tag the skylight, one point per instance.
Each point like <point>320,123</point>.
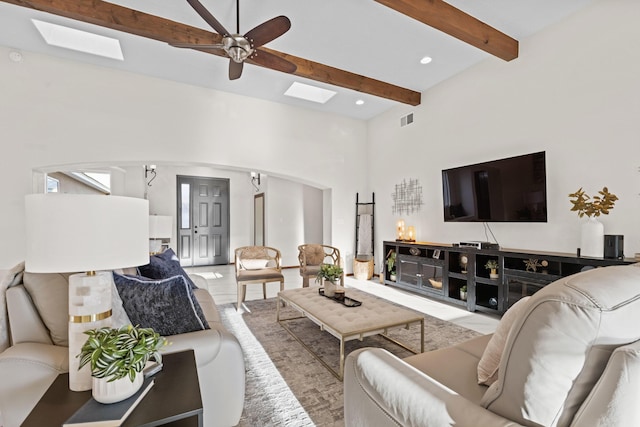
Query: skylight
<point>309,93</point>
<point>81,41</point>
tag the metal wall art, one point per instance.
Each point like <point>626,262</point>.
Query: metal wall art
<point>407,197</point>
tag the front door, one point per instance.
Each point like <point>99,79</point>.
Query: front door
<point>203,219</point>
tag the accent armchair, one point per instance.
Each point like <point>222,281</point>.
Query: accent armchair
<point>257,264</point>
<point>312,256</point>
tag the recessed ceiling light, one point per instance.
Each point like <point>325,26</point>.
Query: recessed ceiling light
<point>309,93</point>
<point>82,41</point>
<point>426,60</point>
<point>359,102</point>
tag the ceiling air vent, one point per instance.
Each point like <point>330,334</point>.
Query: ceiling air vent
<point>406,120</point>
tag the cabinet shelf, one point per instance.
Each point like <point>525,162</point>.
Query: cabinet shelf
<point>488,282</point>
<point>435,271</point>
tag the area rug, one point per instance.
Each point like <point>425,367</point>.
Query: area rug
<point>286,385</point>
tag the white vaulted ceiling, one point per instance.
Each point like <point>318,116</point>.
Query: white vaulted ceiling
<point>359,36</point>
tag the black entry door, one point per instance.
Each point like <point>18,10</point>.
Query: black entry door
<point>203,218</point>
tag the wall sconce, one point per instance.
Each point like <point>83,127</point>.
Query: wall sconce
<point>255,180</point>
<point>149,170</point>
<point>400,230</point>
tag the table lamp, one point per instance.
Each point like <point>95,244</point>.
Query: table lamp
<point>81,232</point>
<point>160,227</point>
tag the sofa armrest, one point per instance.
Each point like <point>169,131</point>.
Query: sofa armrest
<point>381,389</point>
<point>221,373</point>
<point>198,280</point>
<point>26,372</point>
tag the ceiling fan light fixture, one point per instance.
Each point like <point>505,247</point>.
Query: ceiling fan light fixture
<point>237,47</point>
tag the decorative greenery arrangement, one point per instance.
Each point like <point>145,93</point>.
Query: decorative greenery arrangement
<point>118,353</point>
<point>329,272</point>
<point>391,262</point>
<point>596,206</point>
<point>492,264</point>
<point>463,288</point>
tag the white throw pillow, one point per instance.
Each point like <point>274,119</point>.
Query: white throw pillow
<point>254,264</point>
<point>490,360</point>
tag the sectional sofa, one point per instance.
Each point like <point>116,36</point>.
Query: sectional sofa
<point>567,356</point>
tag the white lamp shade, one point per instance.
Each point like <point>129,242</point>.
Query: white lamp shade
<point>81,232</point>
<point>160,226</point>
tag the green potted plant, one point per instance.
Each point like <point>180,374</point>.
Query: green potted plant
<point>329,274</point>
<point>492,266</point>
<point>463,293</point>
<point>391,265</point>
<point>117,358</point>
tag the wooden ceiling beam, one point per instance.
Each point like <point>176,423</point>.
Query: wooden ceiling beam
<point>450,20</point>
<point>141,24</point>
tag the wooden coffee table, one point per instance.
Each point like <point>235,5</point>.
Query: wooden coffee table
<point>174,399</point>
<point>375,316</point>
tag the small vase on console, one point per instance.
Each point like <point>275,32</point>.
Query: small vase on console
<point>592,238</point>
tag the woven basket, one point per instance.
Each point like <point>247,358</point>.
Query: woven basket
<point>363,269</point>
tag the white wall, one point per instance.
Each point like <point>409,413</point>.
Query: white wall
<point>56,112</point>
<point>574,92</point>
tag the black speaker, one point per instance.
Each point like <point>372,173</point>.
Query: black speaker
<point>614,246</point>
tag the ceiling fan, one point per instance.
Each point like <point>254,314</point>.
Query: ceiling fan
<point>240,48</point>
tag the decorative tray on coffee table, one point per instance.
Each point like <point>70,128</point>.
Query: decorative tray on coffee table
<point>346,301</point>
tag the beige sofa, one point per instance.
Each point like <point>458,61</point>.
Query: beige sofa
<point>37,306</point>
<point>571,358</point>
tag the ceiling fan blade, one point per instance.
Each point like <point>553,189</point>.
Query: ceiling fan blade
<point>235,69</point>
<point>269,60</point>
<point>269,30</point>
<point>198,46</point>
<point>208,17</point>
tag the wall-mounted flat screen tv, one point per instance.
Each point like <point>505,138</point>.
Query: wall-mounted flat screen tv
<point>506,190</point>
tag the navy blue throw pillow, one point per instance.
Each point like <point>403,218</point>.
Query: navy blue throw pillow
<point>169,306</point>
<point>163,266</point>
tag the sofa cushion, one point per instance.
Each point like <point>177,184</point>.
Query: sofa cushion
<point>168,306</point>
<point>50,295</point>
<point>488,364</point>
<point>464,357</point>
<point>163,266</point>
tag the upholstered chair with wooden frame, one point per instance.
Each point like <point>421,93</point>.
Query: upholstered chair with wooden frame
<point>257,264</point>
<point>312,256</point>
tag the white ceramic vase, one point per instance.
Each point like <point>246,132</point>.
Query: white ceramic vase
<point>104,391</point>
<point>592,238</point>
<point>329,288</point>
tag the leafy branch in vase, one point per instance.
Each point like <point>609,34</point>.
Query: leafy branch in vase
<point>593,206</point>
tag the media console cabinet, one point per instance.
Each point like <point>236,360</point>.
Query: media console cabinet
<point>440,271</point>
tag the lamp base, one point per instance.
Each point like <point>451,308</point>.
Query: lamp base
<point>89,308</point>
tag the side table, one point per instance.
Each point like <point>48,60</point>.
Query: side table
<point>174,399</point>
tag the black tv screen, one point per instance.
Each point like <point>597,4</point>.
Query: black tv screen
<point>506,190</point>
